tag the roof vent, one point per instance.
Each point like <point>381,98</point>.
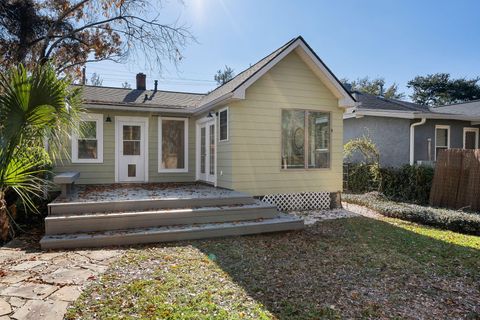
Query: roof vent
<point>381,90</point>
<point>155,85</point>
<point>141,81</point>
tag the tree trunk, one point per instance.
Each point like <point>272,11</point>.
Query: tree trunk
<point>4,220</point>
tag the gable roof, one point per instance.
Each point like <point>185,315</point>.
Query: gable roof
<point>371,105</point>
<point>370,101</point>
<point>237,85</point>
<point>233,89</point>
<point>243,76</point>
<point>148,98</point>
<point>471,108</point>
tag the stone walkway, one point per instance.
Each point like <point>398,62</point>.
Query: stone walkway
<point>36,284</point>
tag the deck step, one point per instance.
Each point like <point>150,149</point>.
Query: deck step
<point>156,218</point>
<point>86,207</point>
<point>171,233</point>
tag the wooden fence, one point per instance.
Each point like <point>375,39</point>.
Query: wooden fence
<point>456,183</point>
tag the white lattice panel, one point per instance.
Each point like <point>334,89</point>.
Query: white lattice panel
<point>299,201</point>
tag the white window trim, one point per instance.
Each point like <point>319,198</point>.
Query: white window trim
<point>469,129</point>
<point>98,118</point>
<point>439,126</point>
<point>163,170</point>
<point>228,124</point>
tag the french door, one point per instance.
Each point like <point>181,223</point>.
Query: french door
<point>206,150</point>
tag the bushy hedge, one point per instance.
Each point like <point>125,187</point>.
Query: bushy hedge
<point>458,221</point>
<point>408,183</point>
<point>361,178</point>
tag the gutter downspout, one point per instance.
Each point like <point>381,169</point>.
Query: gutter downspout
<point>412,138</point>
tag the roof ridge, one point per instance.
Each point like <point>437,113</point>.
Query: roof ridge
<point>119,88</point>
<point>457,103</point>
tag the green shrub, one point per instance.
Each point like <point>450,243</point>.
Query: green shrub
<point>458,221</point>
<point>361,178</point>
<point>408,183</point>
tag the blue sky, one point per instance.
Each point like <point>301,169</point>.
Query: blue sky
<point>396,40</point>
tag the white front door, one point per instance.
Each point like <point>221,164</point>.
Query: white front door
<point>131,142</point>
<point>206,150</point>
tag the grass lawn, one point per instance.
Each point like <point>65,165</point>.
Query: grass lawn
<point>346,268</point>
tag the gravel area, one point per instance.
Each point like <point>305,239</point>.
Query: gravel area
<point>312,216</point>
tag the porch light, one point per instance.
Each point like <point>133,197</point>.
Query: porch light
<point>210,115</point>
<point>108,119</point>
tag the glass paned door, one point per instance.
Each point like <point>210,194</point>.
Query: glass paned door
<point>211,134</point>
<point>203,149</point>
<point>131,151</point>
<point>206,151</point>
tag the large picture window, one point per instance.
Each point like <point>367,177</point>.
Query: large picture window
<point>173,145</point>
<point>305,139</point>
<point>87,142</point>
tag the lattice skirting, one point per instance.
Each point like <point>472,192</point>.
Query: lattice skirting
<point>299,201</point>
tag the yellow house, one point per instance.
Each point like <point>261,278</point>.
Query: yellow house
<point>274,129</point>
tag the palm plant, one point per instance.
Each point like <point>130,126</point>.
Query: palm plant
<point>37,109</point>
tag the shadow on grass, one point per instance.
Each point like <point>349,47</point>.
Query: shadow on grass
<point>352,268</point>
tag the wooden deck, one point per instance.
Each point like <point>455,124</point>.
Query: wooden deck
<point>127,214</point>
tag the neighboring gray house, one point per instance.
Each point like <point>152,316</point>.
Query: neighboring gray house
<point>408,133</point>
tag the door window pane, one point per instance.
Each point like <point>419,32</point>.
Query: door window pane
<point>87,149</point>
<point>212,149</point>
<point>173,144</point>
<point>293,139</point>
<point>470,140</point>
<point>131,132</point>
<point>318,140</point>
<point>131,140</point>
<point>131,148</point>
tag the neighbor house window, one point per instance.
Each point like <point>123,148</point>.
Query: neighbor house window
<point>470,138</point>
<point>442,138</point>
<point>173,144</point>
<point>223,124</point>
<point>305,139</point>
<point>87,141</point>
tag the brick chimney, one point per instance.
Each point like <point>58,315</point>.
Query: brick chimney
<point>141,81</point>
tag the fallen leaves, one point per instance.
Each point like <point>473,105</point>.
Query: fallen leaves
<point>346,268</point>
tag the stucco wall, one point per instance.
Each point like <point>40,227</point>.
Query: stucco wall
<point>391,136</point>
<point>255,132</point>
<point>423,132</point>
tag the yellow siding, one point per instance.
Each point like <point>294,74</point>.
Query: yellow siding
<point>93,173</point>
<point>255,132</point>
